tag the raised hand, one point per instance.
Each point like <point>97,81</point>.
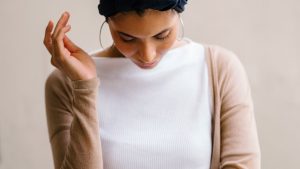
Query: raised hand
<point>66,56</point>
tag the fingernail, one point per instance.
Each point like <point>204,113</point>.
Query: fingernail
<point>65,13</point>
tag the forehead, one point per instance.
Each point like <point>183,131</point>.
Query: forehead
<point>149,23</point>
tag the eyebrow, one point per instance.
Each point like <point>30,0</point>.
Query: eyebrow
<point>125,34</point>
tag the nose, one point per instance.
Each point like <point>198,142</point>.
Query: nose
<point>147,53</point>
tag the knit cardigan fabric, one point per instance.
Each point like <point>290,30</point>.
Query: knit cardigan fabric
<point>73,122</point>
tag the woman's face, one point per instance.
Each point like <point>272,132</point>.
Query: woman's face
<point>144,38</point>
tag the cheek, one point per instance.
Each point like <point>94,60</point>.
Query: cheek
<point>125,49</point>
<point>167,44</point>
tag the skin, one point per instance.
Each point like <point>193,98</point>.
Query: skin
<point>143,39</point>
<point>65,55</point>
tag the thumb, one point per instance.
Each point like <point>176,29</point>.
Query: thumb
<point>71,46</point>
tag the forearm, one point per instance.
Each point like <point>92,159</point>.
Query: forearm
<point>73,122</point>
<point>84,148</point>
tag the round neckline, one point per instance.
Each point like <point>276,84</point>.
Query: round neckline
<point>93,53</point>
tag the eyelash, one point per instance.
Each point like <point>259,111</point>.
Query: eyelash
<point>163,38</point>
<point>158,38</point>
<point>124,40</point>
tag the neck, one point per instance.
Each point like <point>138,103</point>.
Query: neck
<point>115,52</point>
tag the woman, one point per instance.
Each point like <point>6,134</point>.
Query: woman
<point>151,100</point>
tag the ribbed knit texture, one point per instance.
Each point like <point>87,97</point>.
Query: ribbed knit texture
<point>158,118</point>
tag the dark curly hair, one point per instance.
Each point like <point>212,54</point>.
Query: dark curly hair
<point>109,8</point>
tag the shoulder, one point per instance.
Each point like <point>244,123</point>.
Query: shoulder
<point>219,59</point>
<point>99,53</point>
<point>224,61</point>
<point>219,55</point>
<point>223,58</point>
<point>226,69</point>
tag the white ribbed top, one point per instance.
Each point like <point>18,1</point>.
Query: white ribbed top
<point>158,118</point>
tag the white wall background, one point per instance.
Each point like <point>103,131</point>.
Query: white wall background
<point>264,34</point>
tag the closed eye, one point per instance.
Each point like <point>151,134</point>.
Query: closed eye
<point>160,36</point>
<point>163,35</point>
<point>125,37</point>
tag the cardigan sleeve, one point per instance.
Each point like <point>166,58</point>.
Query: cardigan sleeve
<point>239,140</point>
<point>73,124</point>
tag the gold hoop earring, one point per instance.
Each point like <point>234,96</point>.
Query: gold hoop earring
<point>182,28</point>
<point>100,34</point>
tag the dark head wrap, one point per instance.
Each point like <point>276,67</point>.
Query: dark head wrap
<point>111,7</point>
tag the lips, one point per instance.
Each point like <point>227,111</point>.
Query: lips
<point>147,65</point>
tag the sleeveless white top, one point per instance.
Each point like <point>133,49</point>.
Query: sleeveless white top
<point>156,118</point>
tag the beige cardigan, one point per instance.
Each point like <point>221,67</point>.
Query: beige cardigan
<point>73,123</point>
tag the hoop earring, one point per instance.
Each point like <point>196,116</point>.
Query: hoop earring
<point>182,28</point>
<point>100,34</point>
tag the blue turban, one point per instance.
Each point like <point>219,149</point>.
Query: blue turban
<point>111,7</point>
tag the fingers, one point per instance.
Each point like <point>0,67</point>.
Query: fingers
<point>70,45</point>
<point>58,43</point>
<point>60,36</point>
<point>62,22</point>
<point>47,38</point>
<point>60,28</point>
<point>58,47</point>
<point>59,52</point>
